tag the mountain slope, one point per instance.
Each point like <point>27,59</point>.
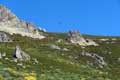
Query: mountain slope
<point>60,64</point>
<point>31,56</point>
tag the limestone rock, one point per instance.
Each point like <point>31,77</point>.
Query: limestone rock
<point>4,55</point>
<point>104,39</point>
<point>76,38</point>
<point>4,37</point>
<point>65,49</point>
<point>35,61</point>
<point>55,47</point>
<point>10,23</point>
<point>59,40</point>
<point>0,55</point>
<point>119,59</point>
<point>19,54</point>
<point>98,58</point>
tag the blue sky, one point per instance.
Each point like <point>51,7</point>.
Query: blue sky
<point>98,17</point>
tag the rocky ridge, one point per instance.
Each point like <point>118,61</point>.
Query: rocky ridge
<point>10,23</point>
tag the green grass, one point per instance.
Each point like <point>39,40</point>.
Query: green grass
<point>61,67</point>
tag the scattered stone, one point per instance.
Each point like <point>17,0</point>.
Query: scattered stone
<point>24,67</point>
<point>104,39</point>
<point>107,42</point>
<point>114,39</point>
<point>89,63</point>
<point>62,54</point>
<point>59,40</point>
<point>51,67</point>
<point>0,55</point>
<point>65,49</point>
<point>36,61</point>
<point>4,55</point>
<point>113,42</point>
<point>6,58</point>
<point>119,59</point>
<point>70,57</point>
<point>76,57</point>
<point>109,53</point>
<point>91,42</point>
<point>83,47</point>
<point>19,54</point>
<point>19,64</point>
<point>55,47</point>
<point>15,60</point>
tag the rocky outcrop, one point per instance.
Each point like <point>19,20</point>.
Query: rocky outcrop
<point>10,23</point>
<point>76,38</point>
<point>19,54</point>
<point>4,37</point>
<point>98,58</point>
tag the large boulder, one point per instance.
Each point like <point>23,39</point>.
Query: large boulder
<point>19,54</point>
<point>10,23</point>
<point>76,38</point>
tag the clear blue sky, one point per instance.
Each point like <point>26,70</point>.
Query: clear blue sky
<point>98,17</point>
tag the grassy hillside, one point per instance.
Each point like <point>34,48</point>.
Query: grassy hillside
<point>59,64</point>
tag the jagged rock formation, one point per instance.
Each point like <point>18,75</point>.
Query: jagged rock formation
<point>11,24</point>
<point>4,37</point>
<point>99,59</point>
<point>19,54</point>
<point>75,37</point>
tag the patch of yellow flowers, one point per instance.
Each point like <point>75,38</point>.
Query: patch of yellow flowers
<point>1,77</point>
<point>26,76</point>
<point>31,76</point>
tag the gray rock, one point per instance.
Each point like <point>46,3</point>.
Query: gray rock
<point>119,59</point>
<point>75,37</point>
<point>59,40</point>
<point>36,61</point>
<point>15,60</point>
<point>65,49</point>
<point>5,14</point>
<point>0,55</point>
<point>4,37</point>
<point>55,47</point>
<point>6,58</point>
<point>10,23</point>
<point>19,54</point>
<point>19,64</point>
<point>4,55</point>
<point>99,59</point>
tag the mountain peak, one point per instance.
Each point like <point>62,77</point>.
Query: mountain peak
<point>6,14</point>
<point>10,23</point>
